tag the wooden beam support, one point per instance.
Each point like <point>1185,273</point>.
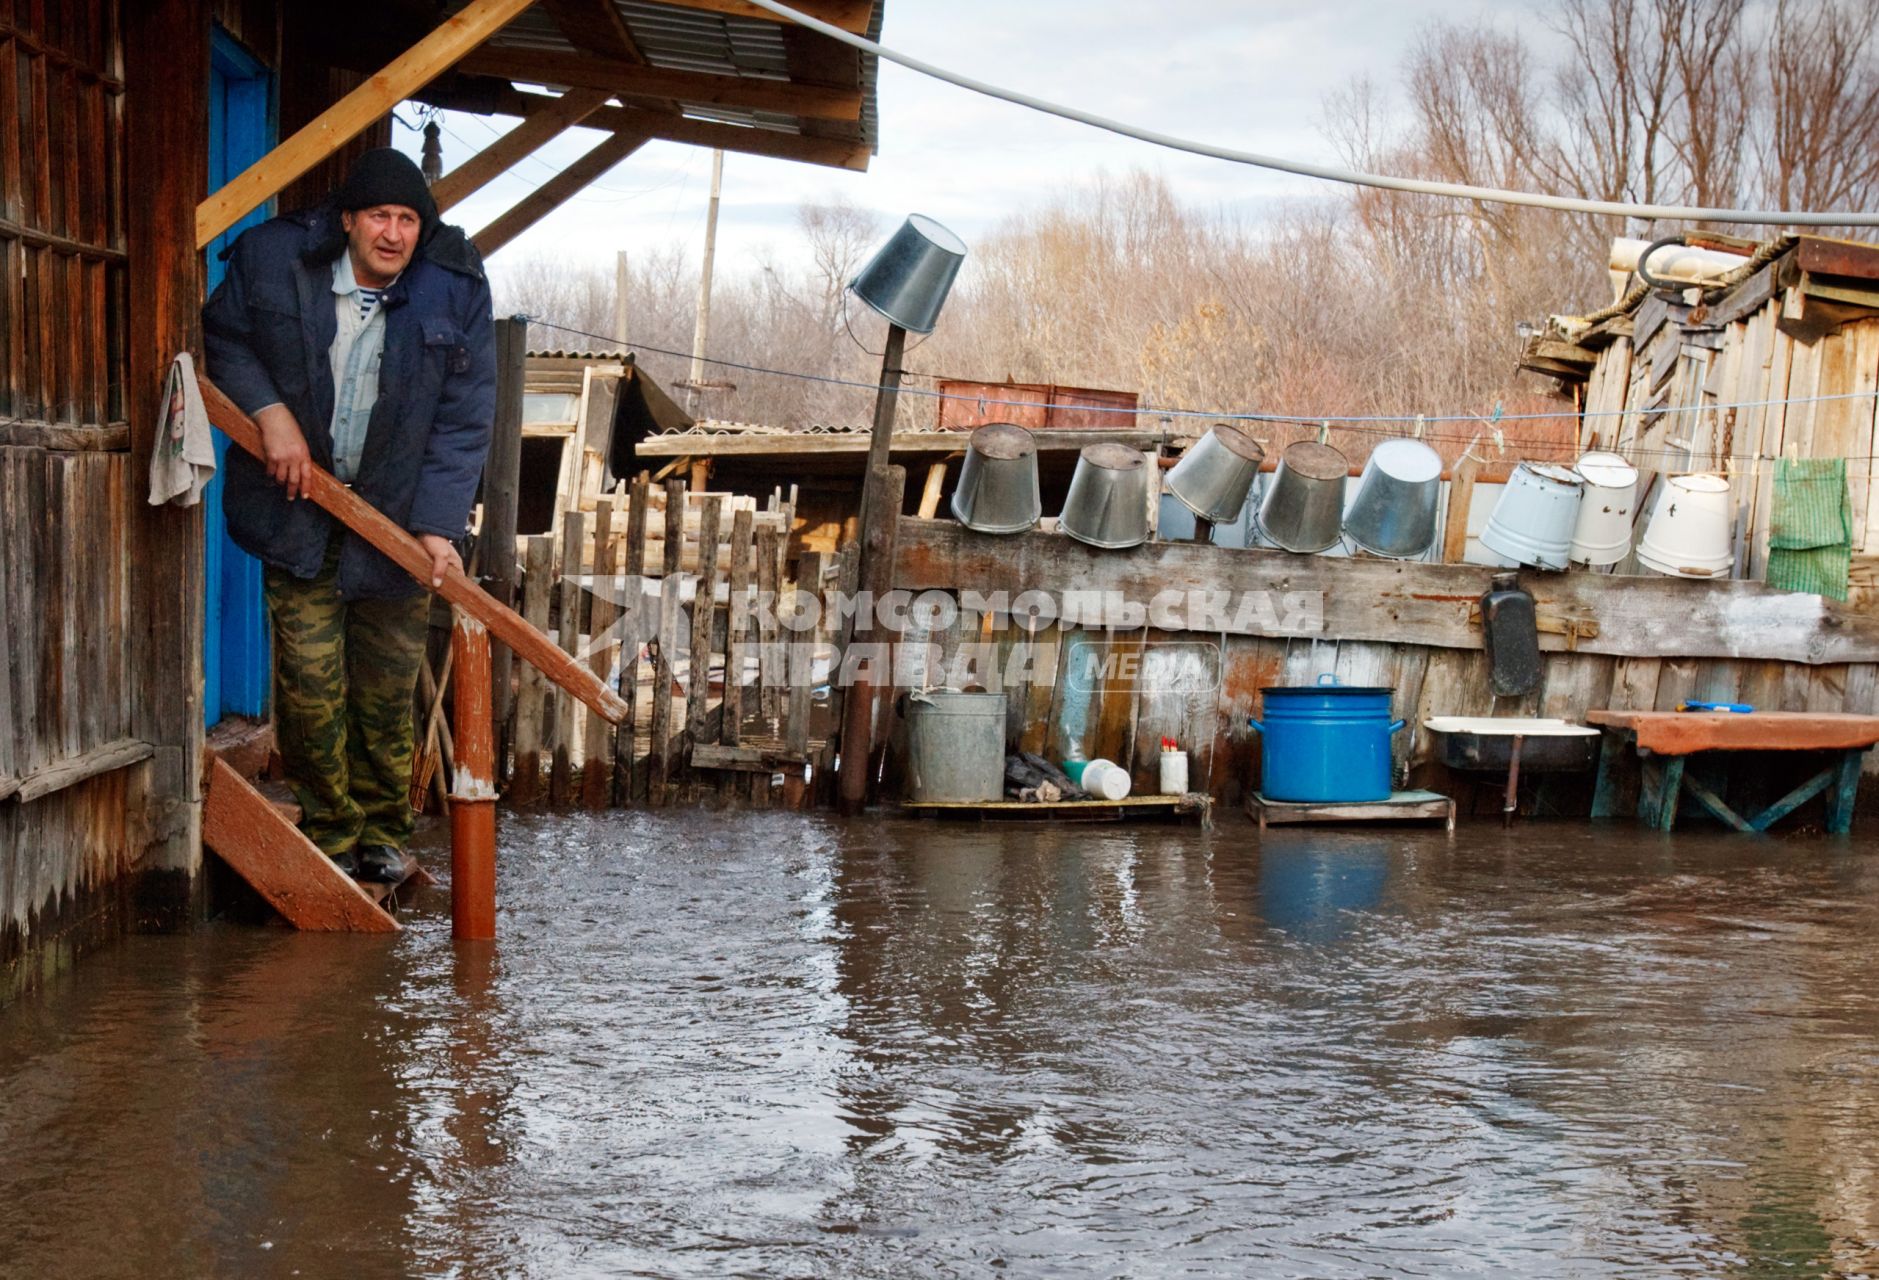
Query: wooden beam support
<point>551,118</point>
<point>851,16</point>
<point>403,550</point>
<point>835,153</point>
<point>548,197</point>
<point>353,114</point>
<point>626,79</point>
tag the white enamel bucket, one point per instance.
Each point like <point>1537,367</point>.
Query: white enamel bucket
<point>1606,509</point>
<point>1532,523</point>
<point>1689,535</point>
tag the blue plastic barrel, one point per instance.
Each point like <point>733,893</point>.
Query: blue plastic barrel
<point>1326,743</point>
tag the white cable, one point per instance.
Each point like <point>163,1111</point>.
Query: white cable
<point>1330,173</point>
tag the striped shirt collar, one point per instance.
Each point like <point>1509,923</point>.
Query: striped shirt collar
<point>344,282</point>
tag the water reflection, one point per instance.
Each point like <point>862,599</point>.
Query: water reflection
<point>766,1045</point>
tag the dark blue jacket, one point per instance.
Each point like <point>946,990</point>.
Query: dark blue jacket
<point>268,330</point>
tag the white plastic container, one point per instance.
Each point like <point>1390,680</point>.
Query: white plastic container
<point>1174,773</point>
<point>1106,780</point>
<point>1689,532</point>
<point>1603,533</point>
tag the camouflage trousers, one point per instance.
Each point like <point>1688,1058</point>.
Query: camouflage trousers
<point>344,673</point>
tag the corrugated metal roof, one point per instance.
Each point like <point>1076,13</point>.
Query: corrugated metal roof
<point>679,39</point>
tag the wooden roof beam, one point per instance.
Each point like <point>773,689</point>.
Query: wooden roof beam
<point>353,114</point>
<point>624,79</point>
<point>548,197</point>
<point>851,16</point>
<point>548,119</point>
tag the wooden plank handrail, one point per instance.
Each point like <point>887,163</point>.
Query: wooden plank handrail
<point>61,774</point>
<point>403,550</point>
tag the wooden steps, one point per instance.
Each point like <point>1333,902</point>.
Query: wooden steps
<point>252,836</point>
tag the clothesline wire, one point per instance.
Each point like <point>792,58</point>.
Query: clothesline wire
<point>1385,425</point>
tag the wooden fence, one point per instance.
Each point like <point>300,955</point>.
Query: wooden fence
<point>674,598</point>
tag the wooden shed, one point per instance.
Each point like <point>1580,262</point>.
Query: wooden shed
<point>138,138</point>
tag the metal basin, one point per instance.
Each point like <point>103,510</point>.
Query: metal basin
<point>1393,514</point>
<point>997,490</point>
<point>1107,505</point>
<point>1216,473</point>
<point>1486,743</point>
<point>1303,508</point>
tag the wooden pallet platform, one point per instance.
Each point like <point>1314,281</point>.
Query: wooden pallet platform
<point>1402,806</point>
<point>1192,805</point>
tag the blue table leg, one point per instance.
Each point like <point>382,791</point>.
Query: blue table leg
<point>1663,786</point>
<point>1845,790</point>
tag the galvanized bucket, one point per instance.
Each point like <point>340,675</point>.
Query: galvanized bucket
<point>908,278</point>
<point>955,745</point>
<point>997,490</point>
<point>1603,532</point>
<point>1689,535</point>
<point>1393,514</point>
<point>1216,473</point>
<point>1303,507</point>
<point>1533,521</point>
<point>1107,505</point>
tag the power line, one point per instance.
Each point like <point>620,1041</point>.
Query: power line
<point>1329,173</point>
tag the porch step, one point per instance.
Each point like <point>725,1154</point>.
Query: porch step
<point>285,868</point>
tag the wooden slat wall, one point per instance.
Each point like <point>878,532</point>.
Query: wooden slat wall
<point>1672,388</point>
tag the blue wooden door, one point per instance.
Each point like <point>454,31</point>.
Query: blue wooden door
<point>235,668</point>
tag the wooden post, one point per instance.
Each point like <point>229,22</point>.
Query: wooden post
<point>1460,497</point>
<point>597,753</point>
<point>659,771</point>
<point>886,400</point>
<point>568,633</point>
<point>769,647</point>
<point>502,476</point>
<point>930,496</point>
<point>878,573</point>
<point>473,801</point>
<point>736,623</point>
<point>802,655</point>
<point>704,596</point>
<point>625,751</point>
<point>166,127</point>
<point>525,785</point>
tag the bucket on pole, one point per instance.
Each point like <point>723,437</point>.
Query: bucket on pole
<point>1533,521</point>
<point>1393,514</point>
<point>1607,506</point>
<point>998,491</point>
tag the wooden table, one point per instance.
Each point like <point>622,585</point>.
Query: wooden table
<point>1665,740</point>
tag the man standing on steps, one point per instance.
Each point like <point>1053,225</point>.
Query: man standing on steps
<point>358,337</point>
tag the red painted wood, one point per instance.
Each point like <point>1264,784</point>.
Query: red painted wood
<point>285,867</point>
<point>1678,733</point>
<point>359,515</point>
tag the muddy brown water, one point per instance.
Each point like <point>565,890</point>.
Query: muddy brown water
<point>771,1045</point>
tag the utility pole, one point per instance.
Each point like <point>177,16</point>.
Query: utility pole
<point>619,299</point>
<point>703,327</point>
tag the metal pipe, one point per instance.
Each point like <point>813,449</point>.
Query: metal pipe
<point>473,799</point>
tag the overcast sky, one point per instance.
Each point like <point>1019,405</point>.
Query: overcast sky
<point>1246,73</point>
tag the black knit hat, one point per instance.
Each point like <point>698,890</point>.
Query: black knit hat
<point>386,176</point>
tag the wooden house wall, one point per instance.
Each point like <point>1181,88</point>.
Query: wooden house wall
<point>67,483</point>
<point>1659,395</point>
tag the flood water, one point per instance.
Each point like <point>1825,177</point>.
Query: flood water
<point>775,1045</point>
